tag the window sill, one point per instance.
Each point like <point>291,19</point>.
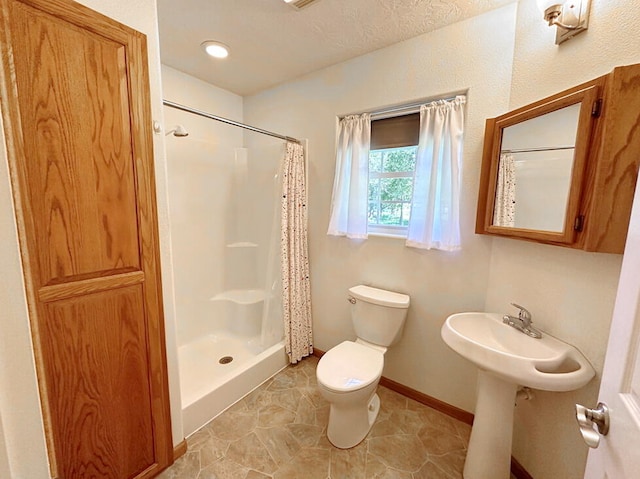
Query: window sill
<point>389,235</point>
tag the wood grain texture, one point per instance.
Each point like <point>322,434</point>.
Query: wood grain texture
<point>485,174</point>
<point>445,408</point>
<point>14,141</point>
<point>180,450</point>
<point>95,351</point>
<point>586,97</point>
<point>93,193</point>
<point>609,174</point>
<point>149,242</point>
<point>83,17</point>
<point>518,471</point>
<point>93,285</point>
<point>73,114</point>
<point>616,162</point>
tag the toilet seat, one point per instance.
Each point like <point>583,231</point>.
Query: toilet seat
<point>349,367</point>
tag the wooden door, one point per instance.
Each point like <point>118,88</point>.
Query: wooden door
<point>76,109</point>
<point>618,455</point>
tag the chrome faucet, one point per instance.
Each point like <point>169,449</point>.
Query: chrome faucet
<point>522,322</point>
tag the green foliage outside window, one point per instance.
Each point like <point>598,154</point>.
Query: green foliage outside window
<point>391,174</point>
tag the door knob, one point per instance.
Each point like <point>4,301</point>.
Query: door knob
<point>587,418</point>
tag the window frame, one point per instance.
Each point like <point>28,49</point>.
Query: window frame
<point>397,231</point>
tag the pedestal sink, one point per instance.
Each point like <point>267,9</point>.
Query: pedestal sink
<point>507,358</point>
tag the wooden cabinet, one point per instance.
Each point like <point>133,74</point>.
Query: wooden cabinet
<point>563,170</point>
<point>75,105</point>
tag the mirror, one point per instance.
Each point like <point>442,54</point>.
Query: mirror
<point>534,171</point>
<point>533,168</point>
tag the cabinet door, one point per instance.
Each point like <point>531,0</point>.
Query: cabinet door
<point>76,107</point>
<point>533,168</point>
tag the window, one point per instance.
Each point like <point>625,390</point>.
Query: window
<point>385,184</point>
<point>392,164</point>
<point>390,189</point>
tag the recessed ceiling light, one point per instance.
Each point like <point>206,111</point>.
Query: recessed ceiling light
<point>215,49</point>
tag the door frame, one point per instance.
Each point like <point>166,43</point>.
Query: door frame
<point>142,146</point>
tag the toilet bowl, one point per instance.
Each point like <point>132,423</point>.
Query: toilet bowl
<point>348,374</point>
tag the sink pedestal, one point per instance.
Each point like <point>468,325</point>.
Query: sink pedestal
<point>489,453</point>
<point>505,358</point>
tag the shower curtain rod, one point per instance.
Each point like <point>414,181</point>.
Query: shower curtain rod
<point>178,106</point>
<point>544,148</point>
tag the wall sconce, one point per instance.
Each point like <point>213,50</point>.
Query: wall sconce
<point>570,18</point>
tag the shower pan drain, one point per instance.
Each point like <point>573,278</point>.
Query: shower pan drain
<point>226,360</point>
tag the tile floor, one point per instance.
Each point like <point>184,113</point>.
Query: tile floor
<point>279,431</point>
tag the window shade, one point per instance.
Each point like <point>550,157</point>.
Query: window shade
<point>395,132</point>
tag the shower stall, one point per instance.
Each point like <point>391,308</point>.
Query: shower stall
<point>224,200</point>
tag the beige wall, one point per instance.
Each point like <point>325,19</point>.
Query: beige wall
<point>570,293</point>
<point>19,404</point>
<point>4,459</point>
<point>449,60</point>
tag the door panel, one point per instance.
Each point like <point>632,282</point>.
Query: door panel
<point>618,455</point>
<point>95,352</point>
<point>74,104</point>
<point>76,111</point>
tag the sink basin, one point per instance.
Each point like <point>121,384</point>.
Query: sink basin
<point>546,363</point>
<point>507,358</point>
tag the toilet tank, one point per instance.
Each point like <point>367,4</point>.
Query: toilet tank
<point>378,316</point>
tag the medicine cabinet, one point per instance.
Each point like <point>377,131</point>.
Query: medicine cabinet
<point>563,170</point>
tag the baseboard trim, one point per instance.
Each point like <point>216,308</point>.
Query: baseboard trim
<point>518,471</point>
<point>460,414</point>
<point>180,450</point>
<point>433,403</point>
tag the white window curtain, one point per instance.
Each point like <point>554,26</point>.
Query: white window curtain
<point>504,211</point>
<point>296,288</point>
<point>435,209</point>
<point>349,200</point>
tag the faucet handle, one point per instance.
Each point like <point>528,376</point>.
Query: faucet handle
<point>524,313</point>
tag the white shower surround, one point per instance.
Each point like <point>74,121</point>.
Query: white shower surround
<point>223,208</point>
<point>208,387</point>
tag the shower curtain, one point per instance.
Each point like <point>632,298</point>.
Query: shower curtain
<point>296,289</point>
<point>504,212</point>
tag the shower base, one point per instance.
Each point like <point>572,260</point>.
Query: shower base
<point>210,382</point>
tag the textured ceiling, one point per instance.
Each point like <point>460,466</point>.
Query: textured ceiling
<point>271,42</point>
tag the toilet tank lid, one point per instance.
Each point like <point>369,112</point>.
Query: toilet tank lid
<point>380,296</point>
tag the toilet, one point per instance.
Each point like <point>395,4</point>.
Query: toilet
<point>348,374</point>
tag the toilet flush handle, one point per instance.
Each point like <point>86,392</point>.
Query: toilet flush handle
<point>351,299</point>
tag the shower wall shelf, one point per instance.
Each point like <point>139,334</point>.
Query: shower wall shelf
<point>241,296</point>
<point>242,244</point>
